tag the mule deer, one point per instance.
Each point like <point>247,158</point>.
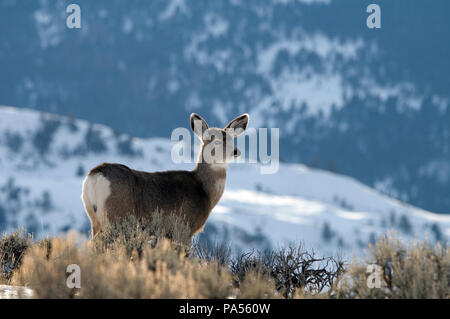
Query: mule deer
<point>113,191</point>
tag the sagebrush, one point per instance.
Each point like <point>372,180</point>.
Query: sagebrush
<point>408,271</point>
<point>141,259</point>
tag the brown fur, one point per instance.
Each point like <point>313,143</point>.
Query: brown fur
<point>189,194</point>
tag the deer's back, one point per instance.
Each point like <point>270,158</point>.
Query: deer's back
<point>141,193</point>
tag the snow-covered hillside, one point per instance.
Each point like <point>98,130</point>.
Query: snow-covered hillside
<point>345,97</point>
<point>43,159</point>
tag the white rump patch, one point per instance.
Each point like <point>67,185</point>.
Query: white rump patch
<point>96,190</point>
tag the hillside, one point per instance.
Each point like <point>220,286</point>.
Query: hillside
<point>371,104</point>
<point>44,157</point>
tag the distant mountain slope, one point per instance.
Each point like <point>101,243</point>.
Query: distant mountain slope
<point>44,157</point>
<point>371,104</point>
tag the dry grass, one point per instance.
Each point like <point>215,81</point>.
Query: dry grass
<point>136,259</point>
<point>132,259</point>
<point>415,270</point>
<point>160,272</point>
<point>134,235</point>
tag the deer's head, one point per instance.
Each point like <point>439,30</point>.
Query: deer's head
<point>218,144</point>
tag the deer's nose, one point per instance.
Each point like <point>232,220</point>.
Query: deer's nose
<point>237,152</point>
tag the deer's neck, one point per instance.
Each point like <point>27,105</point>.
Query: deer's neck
<point>213,177</point>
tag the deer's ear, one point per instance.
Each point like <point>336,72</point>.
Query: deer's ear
<point>237,126</point>
<point>198,125</point>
